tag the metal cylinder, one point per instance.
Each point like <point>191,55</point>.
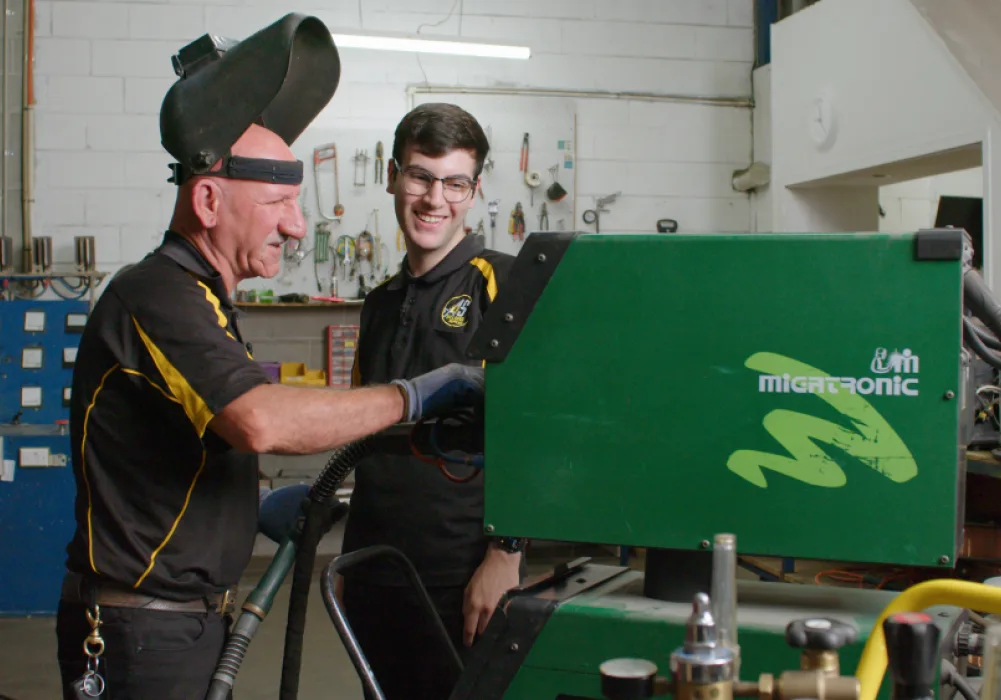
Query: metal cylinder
<point>86,253</point>
<point>724,593</point>
<point>42,248</point>
<point>6,253</point>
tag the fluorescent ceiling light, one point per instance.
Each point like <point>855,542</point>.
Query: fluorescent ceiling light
<point>455,48</point>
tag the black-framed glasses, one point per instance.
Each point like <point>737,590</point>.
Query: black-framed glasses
<point>418,182</point>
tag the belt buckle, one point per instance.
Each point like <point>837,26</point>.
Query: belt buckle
<point>227,602</point>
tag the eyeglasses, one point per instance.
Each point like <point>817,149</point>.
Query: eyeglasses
<point>419,182</point>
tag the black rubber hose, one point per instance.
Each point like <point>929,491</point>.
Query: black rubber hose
<point>978,298</point>
<point>337,469</point>
<point>973,338</point>
<point>951,676</point>
<point>989,339</point>
<point>327,588</point>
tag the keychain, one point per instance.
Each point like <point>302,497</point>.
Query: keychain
<point>91,683</point>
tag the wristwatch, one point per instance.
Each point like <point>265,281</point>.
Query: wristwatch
<point>511,545</point>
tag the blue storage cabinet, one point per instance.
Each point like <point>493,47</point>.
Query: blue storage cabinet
<point>38,342</point>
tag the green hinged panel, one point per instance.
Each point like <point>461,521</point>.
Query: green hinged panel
<point>789,388</point>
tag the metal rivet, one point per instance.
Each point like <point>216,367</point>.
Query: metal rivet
<point>494,343</point>
<point>943,559</point>
<point>489,528</point>
<point>705,544</point>
<point>509,317</point>
<point>949,395</point>
<point>514,646</point>
<point>541,257</point>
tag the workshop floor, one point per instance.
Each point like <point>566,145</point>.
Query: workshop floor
<point>29,671</point>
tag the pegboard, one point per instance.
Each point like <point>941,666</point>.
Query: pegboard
<point>367,206</point>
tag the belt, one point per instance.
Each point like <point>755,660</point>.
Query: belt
<point>114,595</point>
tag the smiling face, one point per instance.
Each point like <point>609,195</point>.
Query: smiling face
<point>431,223</point>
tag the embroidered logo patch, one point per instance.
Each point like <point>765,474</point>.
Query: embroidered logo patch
<point>454,312</point>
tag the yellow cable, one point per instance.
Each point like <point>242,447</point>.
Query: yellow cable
<point>962,594</point>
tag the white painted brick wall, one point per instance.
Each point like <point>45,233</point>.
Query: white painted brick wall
<point>103,66</point>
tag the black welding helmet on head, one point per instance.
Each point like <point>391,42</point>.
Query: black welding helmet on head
<point>280,78</point>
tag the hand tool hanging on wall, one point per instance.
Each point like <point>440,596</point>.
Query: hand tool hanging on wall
<point>593,216</point>
<point>380,166</point>
<point>516,226</point>
<point>555,192</point>
<point>322,154</point>
<point>523,167</point>
<point>346,254</point>
<point>667,226</point>
<point>543,218</point>
<point>366,254</point>
<point>493,208</point>
<point>488,164</point>
<point>533,179</point>
<point>479,228</point>
<point>361,167</point>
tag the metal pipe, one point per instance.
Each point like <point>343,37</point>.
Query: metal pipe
<point>741,102</point>
<point>3,133</point>
<point>27,139</point>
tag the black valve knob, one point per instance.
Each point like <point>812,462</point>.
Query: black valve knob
<point>628,679</point>
<point>820,634</point>
<point>912,651</point>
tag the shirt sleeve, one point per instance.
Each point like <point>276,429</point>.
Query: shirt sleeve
<point>186,336</point>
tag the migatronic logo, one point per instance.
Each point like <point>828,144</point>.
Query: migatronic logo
<point>871,440</point>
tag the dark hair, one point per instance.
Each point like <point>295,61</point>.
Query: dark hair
<point>439,128</point>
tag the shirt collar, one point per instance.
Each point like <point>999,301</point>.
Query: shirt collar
<point>468,248</point>
<point>181,251</point>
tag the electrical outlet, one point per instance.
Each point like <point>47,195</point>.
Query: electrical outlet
<point>31,397</point>
<point>75,323</point>
<point>34,321</point>
<point>32,358</point>
<point>33,457</point>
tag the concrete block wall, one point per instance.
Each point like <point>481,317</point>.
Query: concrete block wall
<point>103,66</point>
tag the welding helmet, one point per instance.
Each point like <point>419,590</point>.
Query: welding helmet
<point>280,78</point>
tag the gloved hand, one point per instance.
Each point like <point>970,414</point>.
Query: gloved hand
<point>279,510</point>
<point>441,391</point>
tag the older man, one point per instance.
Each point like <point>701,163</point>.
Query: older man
<point>170,409</point>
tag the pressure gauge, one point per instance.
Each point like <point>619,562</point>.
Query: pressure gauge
<point>590,216</point>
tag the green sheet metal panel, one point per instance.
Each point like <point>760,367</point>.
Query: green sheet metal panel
<point>789,388</point>
<point>615,621</point>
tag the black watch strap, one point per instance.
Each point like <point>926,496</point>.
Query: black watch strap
<point>511,545</point>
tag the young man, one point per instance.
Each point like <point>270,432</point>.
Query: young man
<point>421,319</point>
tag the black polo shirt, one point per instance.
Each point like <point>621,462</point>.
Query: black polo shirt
<point>410,326</point>
<point>163,504</point>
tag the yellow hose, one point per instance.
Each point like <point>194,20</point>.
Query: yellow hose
<point>962,594</point>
